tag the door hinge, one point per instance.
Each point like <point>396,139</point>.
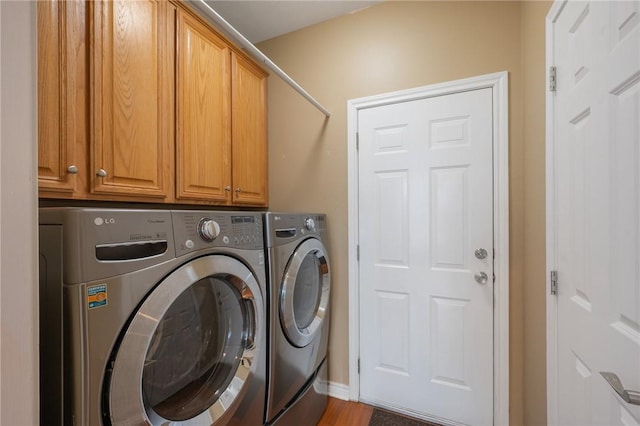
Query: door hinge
<point>358,365</point>
<point>357,141</point>
<point>553,78</point>
<point>358,252</point>
<point>554,283</point>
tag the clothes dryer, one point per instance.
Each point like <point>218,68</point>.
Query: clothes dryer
<point>299,287</point>
<point>161,320</point>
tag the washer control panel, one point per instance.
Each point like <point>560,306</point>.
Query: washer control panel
<point>194,230</point>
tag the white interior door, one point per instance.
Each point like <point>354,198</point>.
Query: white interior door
<point>425,207</point>
<point>595,213</point>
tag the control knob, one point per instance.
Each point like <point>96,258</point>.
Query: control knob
<point>310,224</point>
<point>208,229</point>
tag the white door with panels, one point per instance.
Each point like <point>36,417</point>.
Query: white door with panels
<point>426,237</point>
<point>594,213</point>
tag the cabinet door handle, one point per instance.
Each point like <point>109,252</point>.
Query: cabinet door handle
<point>101,173</point>
<point>72,169</point>
<point>227,188</point>
<point>631,397</point>
<point>238,189</point>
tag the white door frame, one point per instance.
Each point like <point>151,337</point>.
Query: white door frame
<point>498,84</point>
<point>552,300</point>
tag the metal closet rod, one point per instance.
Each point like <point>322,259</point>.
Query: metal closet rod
<point>255,52</point>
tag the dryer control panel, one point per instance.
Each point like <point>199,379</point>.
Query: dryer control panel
<point>198,229</point>
<point>282,228</point>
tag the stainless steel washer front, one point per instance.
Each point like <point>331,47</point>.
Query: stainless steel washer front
<point>161,326</point>
<point>191,345</point>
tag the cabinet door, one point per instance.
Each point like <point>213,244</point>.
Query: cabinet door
<point>248,132</point>
<point>62,86</point>
<point>132,102</point>
<point>203,104</point>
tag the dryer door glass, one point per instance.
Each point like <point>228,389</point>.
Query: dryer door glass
<point>307,292</point>
<point>195,350</point>
<point>190,350</point>
<point>304,296</point>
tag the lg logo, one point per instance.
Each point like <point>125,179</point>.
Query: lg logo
<point>101,221</point>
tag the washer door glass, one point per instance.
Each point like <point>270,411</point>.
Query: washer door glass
<point>195,350</point>
<point>188,351</point>
<point>304,296</point>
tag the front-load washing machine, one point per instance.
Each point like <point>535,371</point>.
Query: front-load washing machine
<point>299,286</point>
<point>152,317</point>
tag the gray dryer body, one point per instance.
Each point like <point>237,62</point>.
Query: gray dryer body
<point>299,287</point>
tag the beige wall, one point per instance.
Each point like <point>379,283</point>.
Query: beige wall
<point>534,308</point>
<point>400,45</point>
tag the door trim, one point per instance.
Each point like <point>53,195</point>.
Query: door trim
<point>550,147</point>
<point>498,83</point>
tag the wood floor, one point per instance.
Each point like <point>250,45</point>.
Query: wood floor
<point>346,413</point>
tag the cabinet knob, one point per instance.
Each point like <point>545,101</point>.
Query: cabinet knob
<point>102,173</point>
<point>227,188</point>
<point>238,189</point>
<point>72,169</point>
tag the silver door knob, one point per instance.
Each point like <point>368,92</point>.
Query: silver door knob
<point>102,173</point>
<point>227,188</point>
<point>72,169</point>
<point>238,189</point>
<point>481,253</point>
<point>631,397</point>
<point>481,277</point>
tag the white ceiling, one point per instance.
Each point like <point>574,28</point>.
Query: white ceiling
<point>260,20</point>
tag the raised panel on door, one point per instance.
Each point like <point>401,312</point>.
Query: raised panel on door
<point>248,132</point>
<point>132,102</point>
<point>203,108</point>
<point>62,86</point>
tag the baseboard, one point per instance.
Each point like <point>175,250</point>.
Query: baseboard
<point>339,390</point>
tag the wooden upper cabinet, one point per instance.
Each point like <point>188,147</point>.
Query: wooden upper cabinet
<point>203,108</point>
<point>248,131</point>
<point>61,94</point>
<point>144,101</point>
<point>132,98</point>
